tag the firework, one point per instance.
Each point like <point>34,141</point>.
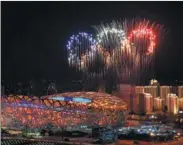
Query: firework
<point>78,46</point>
<point>124,50</point>
<point>110,36</point>
<point>131,45</point>
<point>86,57</point>
<point>145,34</point>
<point>142,34</point>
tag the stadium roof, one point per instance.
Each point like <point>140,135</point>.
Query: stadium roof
<point>95,99</point>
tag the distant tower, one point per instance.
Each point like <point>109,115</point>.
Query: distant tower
<point>153,90</point>
<point>19,91</point>
<point>30,88</point>
<point>180,91</point>
<point>153,82</point>
<point>164,91</point>
<point>51,89</point>
<point>174,90</point>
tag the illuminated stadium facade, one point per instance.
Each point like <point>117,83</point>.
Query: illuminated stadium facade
<point>62,110</point>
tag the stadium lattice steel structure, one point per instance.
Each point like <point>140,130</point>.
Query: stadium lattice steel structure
<point>62,110</point>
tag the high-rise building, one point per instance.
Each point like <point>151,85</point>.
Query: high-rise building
<point>167,103</point>
<point>131,103</point>
<point>164,91</point>
<point>158,104</point>
<point>124,91</point>
<point>145,103</point>
<point>180,91</point>
<point>180,103</point>
<point>153,90</point>
<point>154,82</point>
<point>134,98</point>
<point>174,90</point>
<point>134,103</point>
<point>139,89</point>
<point>172,103</point>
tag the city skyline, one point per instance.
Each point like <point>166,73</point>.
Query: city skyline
<point>91,72</point>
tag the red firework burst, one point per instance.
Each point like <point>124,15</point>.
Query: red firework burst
<point>146,33</point>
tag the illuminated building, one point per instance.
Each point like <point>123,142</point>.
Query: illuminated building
<point>62,110</point>
<point>167,103</point>
<point>180,91</point>
<point>174,90</point>
<point>134,103</point>
<point>139,89</point>
<point>180,103</point>
<point>134,98</point>
<point>164,91</point>
<point>145,103</point>
<point>153,90</point>
<point>158,102</point>
<point>172,103</point>
<point>154,82</point>
<point>125,92</point>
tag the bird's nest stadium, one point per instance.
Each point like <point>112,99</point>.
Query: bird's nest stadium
<point>63,110</point>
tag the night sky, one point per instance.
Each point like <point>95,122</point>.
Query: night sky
<point>34,35</point>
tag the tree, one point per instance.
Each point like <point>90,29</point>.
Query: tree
<point>165,109</point>
<point>25,129</point>
<point>49,126</point>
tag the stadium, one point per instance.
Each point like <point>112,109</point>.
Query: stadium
<point>63,110</point>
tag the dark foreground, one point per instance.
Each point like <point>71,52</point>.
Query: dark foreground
<point>77,141</point>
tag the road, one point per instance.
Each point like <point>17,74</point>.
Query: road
<point>87,141</point>
<point>128,142</point>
